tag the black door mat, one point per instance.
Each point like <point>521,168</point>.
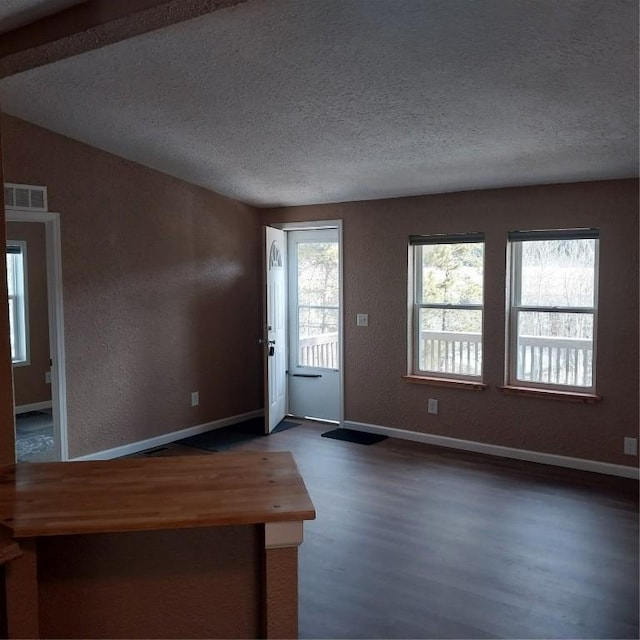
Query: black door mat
<point>283,425</point>
<point>350,435</point>
<point>227,437</point>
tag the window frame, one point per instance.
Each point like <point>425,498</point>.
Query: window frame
<point>515,307</point>
<point>19,319</point>
<point>416,243</point>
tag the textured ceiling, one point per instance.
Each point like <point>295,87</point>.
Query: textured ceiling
<point>281,102</point>
<point>15,13</point>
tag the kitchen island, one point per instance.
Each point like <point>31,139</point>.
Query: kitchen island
<point>190,547</point>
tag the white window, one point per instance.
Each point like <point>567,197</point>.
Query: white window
<point>553,309</point>
<point>447,305</point>
<point>17,290</point>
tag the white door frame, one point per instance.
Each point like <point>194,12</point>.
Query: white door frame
<point>56,319</point>
<point>327,224</point>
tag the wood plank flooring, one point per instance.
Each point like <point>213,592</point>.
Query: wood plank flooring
<point>416,541</point>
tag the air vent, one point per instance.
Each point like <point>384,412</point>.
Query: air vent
<point>25,197</point>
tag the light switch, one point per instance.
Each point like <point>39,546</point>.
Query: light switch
<point>631,446</point>
<point>362,320</point>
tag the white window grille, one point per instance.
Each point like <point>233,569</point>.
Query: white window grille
<point>447,305</point>
<point>553,309</point>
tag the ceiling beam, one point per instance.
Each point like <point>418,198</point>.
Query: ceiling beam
<point>92,25</point>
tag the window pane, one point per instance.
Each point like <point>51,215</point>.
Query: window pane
<point>318,276</point>
<point>558,273</point>
<point>318,337</point>
<point>452,273</point>
<point>12,327</point>
<point>11,278</point>
<point>555,348</point>
<point>16,291</point>
<point>450,341</point>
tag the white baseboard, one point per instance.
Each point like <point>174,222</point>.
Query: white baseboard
<point>497,450</point>
<point>35,406</point>
<point>166,438</point>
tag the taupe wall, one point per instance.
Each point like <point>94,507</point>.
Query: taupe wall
<point>161,291</point>
<point>29,380</point>
<point>162,297</point>
<point>375,282</point>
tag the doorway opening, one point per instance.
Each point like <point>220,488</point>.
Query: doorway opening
<point>34,279</point>
<point>303,322</point>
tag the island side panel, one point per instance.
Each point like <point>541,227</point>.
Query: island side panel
<point>189,583</point>
<point>281,593</point>
<point>21,593</point>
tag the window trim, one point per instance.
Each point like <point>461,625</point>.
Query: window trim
<point>21,310</point>
<point>514,308</point>
<point>416,242</point>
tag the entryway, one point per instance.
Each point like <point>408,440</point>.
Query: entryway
<point>303,322</point>
<point>37,333</point>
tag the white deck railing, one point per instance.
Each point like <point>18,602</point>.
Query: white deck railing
<point>451,352</point>
<point>319,351</point>
<point>547,360</point>
<point>555,360</point>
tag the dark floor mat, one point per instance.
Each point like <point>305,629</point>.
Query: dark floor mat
<point>283,425</point>
<point>349,435</point>
<point>227,437</point>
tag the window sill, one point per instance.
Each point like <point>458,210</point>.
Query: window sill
<point>552,394</point>
<point>469,385</point>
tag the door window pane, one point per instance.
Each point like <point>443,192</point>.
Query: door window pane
<point>318,275</point>
<point>314,321</point>
<point>318,304</point>
<point>318,337</point>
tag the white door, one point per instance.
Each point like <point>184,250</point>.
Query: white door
<point>314,323</point>
<point>275,335</point>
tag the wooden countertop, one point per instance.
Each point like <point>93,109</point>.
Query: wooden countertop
<point>152,493</point>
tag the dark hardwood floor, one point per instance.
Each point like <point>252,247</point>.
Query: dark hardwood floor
<point>415,541</point>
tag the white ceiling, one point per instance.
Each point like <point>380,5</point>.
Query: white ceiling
<point>16,13</point>
<point>282,102</point>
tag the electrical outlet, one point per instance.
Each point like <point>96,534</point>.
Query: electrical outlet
<point>433,406</point>
<point>362,320</point>
<point>195,398</point>
<point>47,377</point>
<point>631,446</point>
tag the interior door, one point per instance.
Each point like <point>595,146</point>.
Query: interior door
<point>275,334</point>
<point>314,323</point>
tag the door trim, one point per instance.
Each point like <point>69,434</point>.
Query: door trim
<point>313,225</point>
<point>56,318</point>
